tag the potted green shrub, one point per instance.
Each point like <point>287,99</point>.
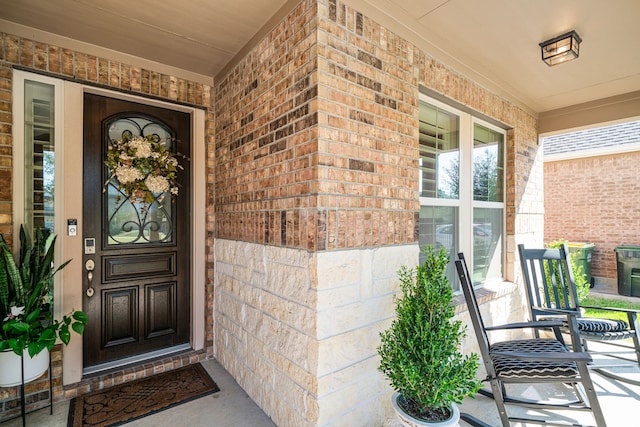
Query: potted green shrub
<point>420,351</point>
<point>28,326</point>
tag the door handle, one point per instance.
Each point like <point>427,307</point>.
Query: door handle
<point>89,265</point>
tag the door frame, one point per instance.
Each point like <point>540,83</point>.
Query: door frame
<point>69,205</point>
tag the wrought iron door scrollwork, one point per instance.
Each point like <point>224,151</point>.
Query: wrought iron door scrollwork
<point>132,221</point>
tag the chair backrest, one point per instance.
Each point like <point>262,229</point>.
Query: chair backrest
<point>548,279</point>
<point>474,312</point>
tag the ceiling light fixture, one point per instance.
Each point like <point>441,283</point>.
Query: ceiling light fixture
<point>561,49</point>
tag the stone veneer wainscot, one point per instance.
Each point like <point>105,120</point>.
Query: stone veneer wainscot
<point>299,330</point>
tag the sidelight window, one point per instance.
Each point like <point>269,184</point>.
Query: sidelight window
<point>39,155</point>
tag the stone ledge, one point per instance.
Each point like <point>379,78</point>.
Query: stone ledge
<point>486,294</point>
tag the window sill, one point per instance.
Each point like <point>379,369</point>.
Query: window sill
<point>485,294</point>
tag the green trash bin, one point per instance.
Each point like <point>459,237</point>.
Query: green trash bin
<point>628,259</point>
<point>581,255</point>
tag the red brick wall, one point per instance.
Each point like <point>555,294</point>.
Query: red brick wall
<point>316,153</point>
<point>594,200</point>
<point>369,128</point>
<point>317,135</point>
<point>266,140</point>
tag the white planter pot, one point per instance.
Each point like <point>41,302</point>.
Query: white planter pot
<point>11,371</point>
<point>408,421</point>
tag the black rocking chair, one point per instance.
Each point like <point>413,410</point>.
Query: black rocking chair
<point>530,361</point>
<point>551,291</point>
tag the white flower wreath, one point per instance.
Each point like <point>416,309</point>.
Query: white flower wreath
<point>142,167</point>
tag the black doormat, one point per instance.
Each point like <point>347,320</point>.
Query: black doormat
<point>126,402</point>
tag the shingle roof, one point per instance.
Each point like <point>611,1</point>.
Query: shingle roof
<point>599,138</point>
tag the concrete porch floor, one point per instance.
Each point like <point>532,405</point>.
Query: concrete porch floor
<point>231,407</point>
<point>619,401</point>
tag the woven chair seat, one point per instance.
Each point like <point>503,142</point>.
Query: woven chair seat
<point>507,367</point>
<point>591,324</point>
<point>607,336</point>
<point>599,329</point>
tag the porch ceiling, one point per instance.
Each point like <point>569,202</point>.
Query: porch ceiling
<point>493,41</point>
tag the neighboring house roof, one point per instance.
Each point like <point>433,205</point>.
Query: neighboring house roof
<point>617,138</point>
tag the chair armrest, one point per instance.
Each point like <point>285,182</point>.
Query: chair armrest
<point>522,325</point>
<point>568,356</point>
<point>556,311</point>
<point>621,310</point>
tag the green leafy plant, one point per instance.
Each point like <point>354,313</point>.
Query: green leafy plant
<point>580,278</point>
<point>419,353</point>
<point>25,298</point>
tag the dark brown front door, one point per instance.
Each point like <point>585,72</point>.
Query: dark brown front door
<point>138,298</point>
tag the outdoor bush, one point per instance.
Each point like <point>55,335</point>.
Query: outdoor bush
<point>579,276</point>
<point>419,353</point>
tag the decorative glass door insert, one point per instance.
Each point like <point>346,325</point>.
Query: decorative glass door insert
<point>134,221</point>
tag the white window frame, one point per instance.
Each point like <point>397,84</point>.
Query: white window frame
<point>465,202</point>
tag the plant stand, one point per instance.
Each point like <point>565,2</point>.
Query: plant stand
<point>22,397</point>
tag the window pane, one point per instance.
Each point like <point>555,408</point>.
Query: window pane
<point>439,153</point>
<point>439,228</point>
<point>488,164</point>
<point>487,244</point>
<point>444,133</point>
<point>39,156</point>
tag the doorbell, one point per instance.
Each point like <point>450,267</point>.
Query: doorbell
<point>72,227</point>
